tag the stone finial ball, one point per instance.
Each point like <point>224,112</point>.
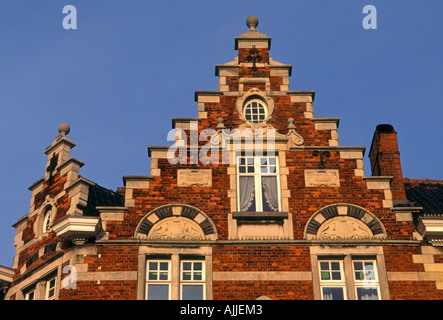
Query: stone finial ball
<point>64,129</point>
<point>252,22</point>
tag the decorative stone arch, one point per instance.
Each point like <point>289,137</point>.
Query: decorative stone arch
<point>343,221</point>
<point>176,222</point>
<point>252,94</point>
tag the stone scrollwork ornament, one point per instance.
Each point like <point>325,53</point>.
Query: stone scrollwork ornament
<point>176,228</point>
<point>294,139</point>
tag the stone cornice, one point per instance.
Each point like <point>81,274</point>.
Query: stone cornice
<point>183,120</point>
<point>302,93</point>
<point>78,181</point>
<point>19,221</point>
<point>289,242</point>
<point>69,161</point>
<point>127,179</point>
<point>206,93</point>
<point>61,140</point>
<point>36,184</point>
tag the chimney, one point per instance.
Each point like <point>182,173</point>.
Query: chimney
<point>385,161</point>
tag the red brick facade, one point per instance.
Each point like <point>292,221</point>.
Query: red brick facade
<point>328,210</point>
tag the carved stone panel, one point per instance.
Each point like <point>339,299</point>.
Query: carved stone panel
<point>176,228</point>
<point>194,178</point>
<point>344,227</point>
<point>322,178</point>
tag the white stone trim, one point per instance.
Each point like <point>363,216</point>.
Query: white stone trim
<point>263,276</point>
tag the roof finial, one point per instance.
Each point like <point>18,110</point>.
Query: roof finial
<point>64,129</point>
<point>252,22</point>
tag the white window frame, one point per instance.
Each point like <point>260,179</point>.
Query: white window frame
<point>48,288</point>
<point>175,280</point>
<point>372,283</point>
<point>257,174</point>
<point>158,281</point>
<point>193,282</point>
<point>331,283</point>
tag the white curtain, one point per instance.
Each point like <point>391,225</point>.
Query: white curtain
<point>270,192</point>
<point>247,193</point>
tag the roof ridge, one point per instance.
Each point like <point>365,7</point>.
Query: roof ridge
<point>426,180</point>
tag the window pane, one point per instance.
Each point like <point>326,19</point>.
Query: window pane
<point>163,266</point>
<point>335,266</point>
<point>359,275</point>
<point>198,266</point>
<point>30,296</point>
<point>152,265</point>
<point>158,292</point>
<point>358,265</point>
<point>270,193</point>
<point>163,276</point>
<point>247,194</point>
<point>333,294</point>
<point>152,275</point>
<point>324,265</point>
<point>187,266</point>
<point>192,292</point>
<point>367,294</point>
<point>325,275</point>
<point>197,276</point>
<point>336,276</point>
<point>187,276</point>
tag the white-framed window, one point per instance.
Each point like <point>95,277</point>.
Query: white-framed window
<point>366,281</point>
<point>258,183</point>
<point>255,111</point>
<point>158,282</point>
<point>192,280</point>
<point>30,295</point>
<point>181,278</point>
<point>362,279</point>
<point>50,289</point>
<point>47,219</point>
<point>332,280</point>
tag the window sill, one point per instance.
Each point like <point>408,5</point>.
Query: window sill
<point>267,215</point>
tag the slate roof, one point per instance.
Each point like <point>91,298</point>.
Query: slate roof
<point>427,194</point>
<point>102,197</point>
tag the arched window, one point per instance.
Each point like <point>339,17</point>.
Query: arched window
<point>47,219</point>
<point>255,111</point>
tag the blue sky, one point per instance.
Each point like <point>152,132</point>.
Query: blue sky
<point>131,66</point>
